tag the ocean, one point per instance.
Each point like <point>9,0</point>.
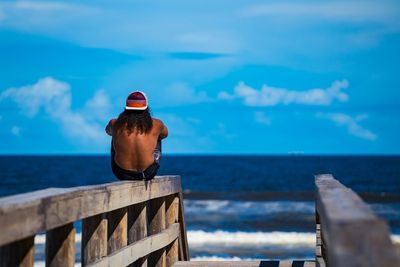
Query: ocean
<point>236,207</point>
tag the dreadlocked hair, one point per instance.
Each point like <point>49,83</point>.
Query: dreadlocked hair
<point>138,121</point>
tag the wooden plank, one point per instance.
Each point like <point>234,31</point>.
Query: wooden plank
<point>157,223</point>
<point>22,215</point>
<point>172,214</point>
<point>94,239</point>
<point>60,246</point>
<point>319,260</point>
<point>351,234</point>
<point>117,230</point>
<point>318,244</point>
<point>262,263</point>
<point>26,214</point>
<point>139,249</point>
<point>183,243</point>
<point>20,253</point>
<point>137,228</point>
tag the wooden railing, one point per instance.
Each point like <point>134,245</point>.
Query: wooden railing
<point>123,223</point>
<point>139,224</point>
<point>348,232</point>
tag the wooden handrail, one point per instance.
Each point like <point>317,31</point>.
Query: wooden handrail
<point>350,233</point>
<point>26,214</point>
<point>114,220</point>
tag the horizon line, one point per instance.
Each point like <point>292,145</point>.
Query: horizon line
<point>204,154</point>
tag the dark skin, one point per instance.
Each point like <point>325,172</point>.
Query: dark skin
<point>134,151</point>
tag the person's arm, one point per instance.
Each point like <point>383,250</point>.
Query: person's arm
<point>109,127</point>
<point>164,131</point>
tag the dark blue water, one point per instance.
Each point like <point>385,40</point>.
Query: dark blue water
<point>209,173</point>
<point>237,198</point>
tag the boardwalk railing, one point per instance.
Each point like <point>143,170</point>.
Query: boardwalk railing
<point>138,224</point>
<point>123,223</point>
<point>348,232</point>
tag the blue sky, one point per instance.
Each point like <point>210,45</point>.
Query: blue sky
<point>226,77</point>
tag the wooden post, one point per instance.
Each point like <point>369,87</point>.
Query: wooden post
<point>104,237</point>
<point>94,239</point>
<point>172,212</point>
<point>183,244</point>
<point>320,254</point>
<point>156,214</point>
<point>60,246</point>
<point>137,228</point>
<point>117,230</point>
<point>19,253</point>
<point>351,233</point>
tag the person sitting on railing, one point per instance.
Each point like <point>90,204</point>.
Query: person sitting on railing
<point>136,140</point>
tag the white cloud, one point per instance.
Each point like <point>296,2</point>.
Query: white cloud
<point>346,11</point>
<point>272,96</point>
<point>99,106</point>
<point>262,118</point>
<point>180,93</point>
<point>47,93</point>
<point>15,130</point>
<point>209,41</point>
<point>41,5</point>
<point>225,96</point>
<point>352,124</point>
<point>226,28</point>
<point>80,23</point>
<point>54,98</point>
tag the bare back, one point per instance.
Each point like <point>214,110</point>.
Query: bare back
<point>134,151</point>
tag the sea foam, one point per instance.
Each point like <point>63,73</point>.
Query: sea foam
<point>219,237</point>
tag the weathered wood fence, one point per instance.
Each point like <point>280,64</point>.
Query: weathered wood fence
<point>123,223</point>
<point>348,232</point>
<point>138,224</point>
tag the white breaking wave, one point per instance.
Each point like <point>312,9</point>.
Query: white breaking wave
<point>217,258</point>
<point>41,239</point>
<point>395,239</point>
<point>224,238</point>
<point>199,237</point>
<point>200,258</point>
<point>43,264</point>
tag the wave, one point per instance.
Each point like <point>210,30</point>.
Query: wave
<point>224,238</point>
<point>248,207</point>
<point>234,258</point>
<point>387,211</point>
<point>249,196</point>
<point>218,258</point>
<point>294,195</point>
<point>231,246</point>
<point>43,264</point>
<point>198,258</point>
<point>41,239</point>
<point>219,237</point>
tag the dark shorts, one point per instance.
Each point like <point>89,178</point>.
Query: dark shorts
<point>146,174</point>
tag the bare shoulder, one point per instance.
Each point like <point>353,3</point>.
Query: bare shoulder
<point>157,122</point>
<point>160,127</point>
<point>109,127</point>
